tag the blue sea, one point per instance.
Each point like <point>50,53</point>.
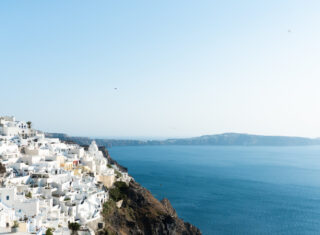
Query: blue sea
<point>233,190</point>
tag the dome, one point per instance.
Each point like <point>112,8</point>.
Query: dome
<point>93,147</point>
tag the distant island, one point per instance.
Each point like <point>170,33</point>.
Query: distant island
<point>218,139</point>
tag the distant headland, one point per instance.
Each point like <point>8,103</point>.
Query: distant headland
<point>218,139</point>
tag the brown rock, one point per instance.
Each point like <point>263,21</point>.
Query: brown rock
<point>141,213</point>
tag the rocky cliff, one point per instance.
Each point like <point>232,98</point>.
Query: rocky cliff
<point>141,213</point>
<point>132,209</point>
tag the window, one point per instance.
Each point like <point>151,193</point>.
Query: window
<point>7,197</point>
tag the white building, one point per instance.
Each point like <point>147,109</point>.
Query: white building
<point>49,183</point>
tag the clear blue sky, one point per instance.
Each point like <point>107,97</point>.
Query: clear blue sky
<point>182,68</point>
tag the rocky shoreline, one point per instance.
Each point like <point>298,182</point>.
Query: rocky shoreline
<point>141,213</point>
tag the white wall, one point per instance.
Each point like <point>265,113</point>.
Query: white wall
<point>28,207</point>
<point>7,196</point>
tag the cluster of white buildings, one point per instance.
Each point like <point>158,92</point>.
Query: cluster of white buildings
<point>48,183</point>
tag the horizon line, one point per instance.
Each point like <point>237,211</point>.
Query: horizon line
<point>159,138</point>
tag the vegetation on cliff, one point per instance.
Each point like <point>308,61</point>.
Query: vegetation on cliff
<point>141,213</point>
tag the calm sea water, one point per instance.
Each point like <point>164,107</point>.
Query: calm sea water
<point>233,190</point>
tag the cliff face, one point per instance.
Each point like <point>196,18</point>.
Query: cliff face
<point>140,212</point>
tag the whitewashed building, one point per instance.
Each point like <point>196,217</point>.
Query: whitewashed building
<point>49,183</point>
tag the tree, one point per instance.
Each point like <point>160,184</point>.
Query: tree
<point>119,191</point>
<point>49,231</point>
<point>29,124</point>
<point>74,227</point>
<point>2,168</point>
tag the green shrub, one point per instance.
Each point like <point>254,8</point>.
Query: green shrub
<point>74,227</point>
<point>118,174</point>
<point>49,231</point>
<point>29,194</point>
<point>2,168</point>
<point>119,191</point>
<point>15,224</point>
<point>107,232</point>
<point>108,207</point>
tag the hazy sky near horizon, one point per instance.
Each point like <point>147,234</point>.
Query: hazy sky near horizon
<point>181,68</point>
